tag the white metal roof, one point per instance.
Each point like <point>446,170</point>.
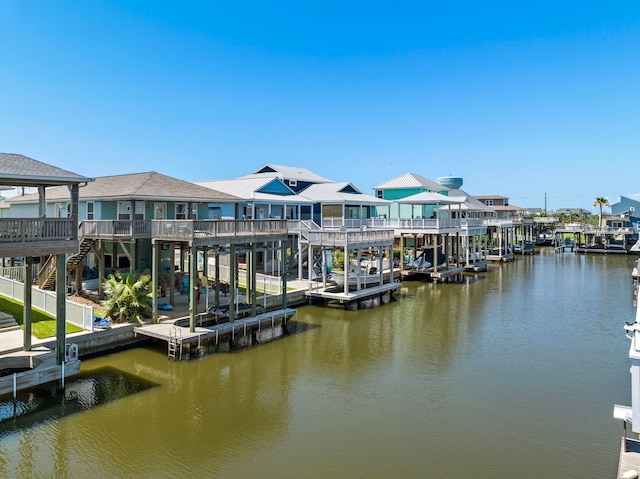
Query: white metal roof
<point>288,172</point>
<point>333,193</point>
<point>431,198</point>
<point>247,188</point>
<point>470,203</point>
<point>410,180</point>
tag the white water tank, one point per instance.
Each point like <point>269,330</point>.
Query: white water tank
<point>451,182</point>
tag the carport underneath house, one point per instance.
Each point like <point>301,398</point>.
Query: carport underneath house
<point>249,239</point>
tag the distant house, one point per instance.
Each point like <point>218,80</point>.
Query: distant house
<point>342,204</point>
<point>500,204</point>
<point>408,185</point>
<point>275,191</point>
<point>627,209</point>
<point>260,196</point>
<point>296,178</point>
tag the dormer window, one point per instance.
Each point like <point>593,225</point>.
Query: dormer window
<point>293,182</point>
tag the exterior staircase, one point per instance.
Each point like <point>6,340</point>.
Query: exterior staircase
<point>8,323</point>
<point>47,274</point>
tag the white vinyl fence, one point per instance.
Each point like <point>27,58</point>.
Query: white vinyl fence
<point>77,314</point>
<point>264,283</point>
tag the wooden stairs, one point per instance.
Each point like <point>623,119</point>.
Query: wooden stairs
<point>47,274</point>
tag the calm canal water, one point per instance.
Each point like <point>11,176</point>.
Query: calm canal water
<point>513,373</point>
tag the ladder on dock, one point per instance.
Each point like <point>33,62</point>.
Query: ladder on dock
<point>175,343</point>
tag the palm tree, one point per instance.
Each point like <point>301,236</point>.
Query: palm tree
<point>601,202</point>
<point>128,297</point>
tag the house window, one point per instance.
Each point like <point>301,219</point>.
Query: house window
<point>293,182</point>
<point>138,214</point>
<point>181,211</point>
<point>62,210</point>
<point>488,202</point>
<point>379,193</point>
<point>124,210</point>
<point>90,210</point>
<point>214,213</point>
<point>331,211</point>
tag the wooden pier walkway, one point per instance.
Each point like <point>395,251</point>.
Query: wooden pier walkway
<point>337,293</point>
<point>171,332</point>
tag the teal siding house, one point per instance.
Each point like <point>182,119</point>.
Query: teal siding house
<point>115,215</point>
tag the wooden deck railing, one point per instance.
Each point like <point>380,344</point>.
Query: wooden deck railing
<point>31,230</point>
<point>189,230</point>
<point>112,229</point>
<point>373,237</point>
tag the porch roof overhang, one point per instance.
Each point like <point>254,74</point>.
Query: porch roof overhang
<point>430,198</point>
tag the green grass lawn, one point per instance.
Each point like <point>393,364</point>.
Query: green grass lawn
<point>43,325</point>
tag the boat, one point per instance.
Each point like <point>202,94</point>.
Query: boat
<point>527,248</point>
<point>364,278</point>
<point>545,238</point>
<point>425,261</point>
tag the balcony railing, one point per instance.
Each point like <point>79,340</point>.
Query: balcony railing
<point>346,237</point>
<point>112,229</point>
<point>189,230</point>
<point>31,230</point>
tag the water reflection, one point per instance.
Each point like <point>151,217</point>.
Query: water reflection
<point>477,379</point>
<point>50,402</point>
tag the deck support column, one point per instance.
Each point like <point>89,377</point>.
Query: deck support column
<point>154,279</point>
<point>193,290</point>
<point>216,257</point>
<point>435,253</point>
<point>172,274</point>
<point>26,312</point>
<point>233,283</point>
<point>347,262</point>
<point>205,276</point>
<point>61,308</point>
<point>252,293</point>
<point>100,268</point>
<point>283,258</point>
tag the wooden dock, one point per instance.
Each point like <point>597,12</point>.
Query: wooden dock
<point>446,275</point>
<point>178,336</point>
<point>336,293</point>
<point>475,267</point>
<point>629,456</point>
<point>443,275</point>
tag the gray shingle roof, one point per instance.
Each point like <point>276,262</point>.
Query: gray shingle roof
<point>20,170</point>
<point>143,186</point>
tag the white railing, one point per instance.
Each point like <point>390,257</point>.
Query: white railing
<point>501,222</point>
<point>17,272</point>
<point>45,301</point>
<point>372,237</point>
<point>264,283</point>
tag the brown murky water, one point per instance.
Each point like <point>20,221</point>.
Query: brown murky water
<point>513,373</point>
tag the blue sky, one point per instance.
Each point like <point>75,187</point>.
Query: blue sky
<point>521,99</point>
